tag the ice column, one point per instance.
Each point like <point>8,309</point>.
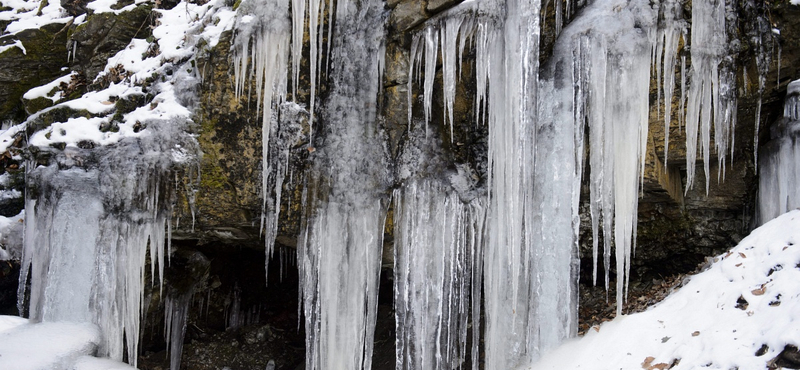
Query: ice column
<point>606,54</point>
<point>528,269</point>
<point>87,233</point>
<point>438,245</point>
<point>261,52</point>
<point>176,311</point>
<point>712,92</point>
<point>665,53</point>
<point>339,251</point>
<point>779,167</point>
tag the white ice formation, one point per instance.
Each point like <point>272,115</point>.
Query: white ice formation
<point>439,238</point>
<point>88,230</point>
<point>712,92</point>
<point>261,51</point>
<point>595,86</point>
<point>779,167</point>
<point>339,249</point>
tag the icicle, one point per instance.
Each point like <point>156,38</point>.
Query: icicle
<point>672,31</point>
<point>430,49</point>
<point>449,35</point>
<point>436,238</point>
<point>779,173</point>
<point>315,39</point>
<point>176,309</point>
<point>712,94</point>
<point>339,250</point>
<point>298,25</point>
<point>88,230</point>
<point>681,116</point>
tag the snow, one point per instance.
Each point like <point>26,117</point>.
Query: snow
<point>51,345</point>
<point>25,345</point>
<point>104,6</point>
<point>46,90</point>
<point>16,44</point>
<point>10,322</point>
<point>700,324</point>
<point>24,15</point>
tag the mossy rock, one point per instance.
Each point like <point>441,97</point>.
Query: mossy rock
<point>105,34</point>
<point>36,105</point>
<point>41,62</point>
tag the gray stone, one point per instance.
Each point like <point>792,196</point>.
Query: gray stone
<point>407,15</point>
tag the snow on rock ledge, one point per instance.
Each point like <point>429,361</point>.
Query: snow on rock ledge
<point>739,313</point>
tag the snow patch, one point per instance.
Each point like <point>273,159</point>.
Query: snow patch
<point>49,90</point>
<point>748,298</point>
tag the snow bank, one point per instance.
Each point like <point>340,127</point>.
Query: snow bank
<point>51,346</point>
<point>748,298</point>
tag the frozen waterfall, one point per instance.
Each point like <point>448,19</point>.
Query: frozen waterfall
<point>339,251</point>
<point>89,228</point>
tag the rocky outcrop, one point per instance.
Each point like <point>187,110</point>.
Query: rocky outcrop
<point>38,61</point>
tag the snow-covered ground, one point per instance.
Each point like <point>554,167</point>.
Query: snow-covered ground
<point>51,346</point>
<point>740,313</point>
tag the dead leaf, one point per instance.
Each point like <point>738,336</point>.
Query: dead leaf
<point>107,102</point>
<point>659,366</point>
<point>696,333</point>
<point>647,361</point>
<point>738,264</point>
<point>760,291</point>
<point>596,328</point>
<point>742,255</point>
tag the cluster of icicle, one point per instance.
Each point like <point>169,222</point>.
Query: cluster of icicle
<point>528,281</point>
<point>339,249</point>
<point>779,172</point>
<point>712,92</point>
<point>437,262</point>
<point>87,233</point>
<point>261,50</point>
<point>598,80</point>
<point>267,35</point>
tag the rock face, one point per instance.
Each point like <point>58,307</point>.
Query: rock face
<point>677,228</point>
<point>40,62</point>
